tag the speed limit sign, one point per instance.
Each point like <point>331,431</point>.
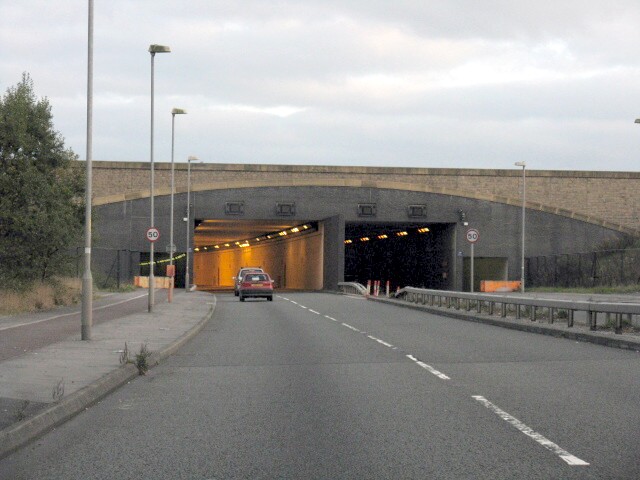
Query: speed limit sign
<point>153,234</point>
<point>473,235</point>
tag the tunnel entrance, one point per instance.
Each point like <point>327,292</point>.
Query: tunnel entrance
<point>405,254</point>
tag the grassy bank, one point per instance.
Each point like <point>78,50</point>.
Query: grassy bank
<point>40,296</point>
<point>619,289</point>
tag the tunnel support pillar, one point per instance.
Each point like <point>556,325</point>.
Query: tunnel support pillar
<point>333,258</point>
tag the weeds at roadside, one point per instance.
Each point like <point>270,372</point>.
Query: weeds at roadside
<point>141,358</point>
<point>58,391</point>
<point>22,411</point>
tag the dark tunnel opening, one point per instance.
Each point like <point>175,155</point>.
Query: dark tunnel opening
<point>404,254</point>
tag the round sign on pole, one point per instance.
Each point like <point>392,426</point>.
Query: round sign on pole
<point>473,235</point>
<point>152,234</point>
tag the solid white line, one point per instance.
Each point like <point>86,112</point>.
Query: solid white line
<point>429,368</point>
<point>330,318</point>
<point>380,341</point>
<point>313,311</point>
<point>352,328</point>
<point>545,442</point>
<point>69,314</point>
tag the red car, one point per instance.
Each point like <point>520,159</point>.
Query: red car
<point>256,285</point>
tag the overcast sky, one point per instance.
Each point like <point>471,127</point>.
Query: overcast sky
<point>416,83</point>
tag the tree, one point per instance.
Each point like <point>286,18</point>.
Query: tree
<point>41,193</point>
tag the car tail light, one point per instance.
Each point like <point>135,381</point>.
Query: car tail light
<point>246,284</point>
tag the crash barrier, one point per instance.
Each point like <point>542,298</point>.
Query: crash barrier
<point>615,314</point>
<point>353,288</point>
<point>161,282</point>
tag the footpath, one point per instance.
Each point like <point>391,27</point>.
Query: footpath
<point>54,383</point>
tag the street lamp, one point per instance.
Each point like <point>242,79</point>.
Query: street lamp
<point>174,112</point>
<point>524,197</point>
<point>153,49</point>
<point>186,272</point>
<point>86,319</point>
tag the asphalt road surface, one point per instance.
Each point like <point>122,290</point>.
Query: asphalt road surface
<point>327,386</point>
<point>24,333</point>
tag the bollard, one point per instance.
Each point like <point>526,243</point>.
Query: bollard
<point>388,286</point>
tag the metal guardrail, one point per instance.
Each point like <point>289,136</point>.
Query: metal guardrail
<point>353,287</point>
<point>522,306</point>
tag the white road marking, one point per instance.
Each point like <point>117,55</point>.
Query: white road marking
<point>380,341</point>
<point>330,318</point>
<point>302,306</point>
<point>285,298</point>
<point>313,311</point>
<point>545,442</point>
<point>295,303</point>
<point>429,368</point>
<point>33,322</point>
<point>352,328</point>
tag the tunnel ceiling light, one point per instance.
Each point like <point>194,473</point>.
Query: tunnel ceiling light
<point>364,239</point>
<point>197,249</point>
<point>306,227</point>
<point>402,234</point>
<point>423,230</point>
<point>227,245</point>
<point>383,236</point>
<point>295,230</point>
<point>282,234</point>
<point>217,246</point>
<point>347,242</point>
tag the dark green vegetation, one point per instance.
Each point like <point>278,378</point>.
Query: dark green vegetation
<point>41,195</point>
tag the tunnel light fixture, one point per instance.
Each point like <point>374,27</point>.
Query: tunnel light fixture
<point>237,243</point>
<point>423,230</point>
<point>216,246</point>
<point>206,248</point>
<point>283,233</point>
<point>365,239</point>
<point>347,242</point>
<point>402,234</point>
<point>227,245</point>
<point>306,227</point>
<point>244,245</point>
<point>295,230</point>
<point>383,236</point>
<point>197,249</point>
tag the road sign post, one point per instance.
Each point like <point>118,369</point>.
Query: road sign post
<point>472,237</point>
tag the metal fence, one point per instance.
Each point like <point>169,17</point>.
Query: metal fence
<point>603,268</point>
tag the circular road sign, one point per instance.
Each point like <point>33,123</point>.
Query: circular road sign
<point>473,235</point>
<point>152,234</point>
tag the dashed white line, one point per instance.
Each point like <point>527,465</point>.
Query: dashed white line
<point>313,311</point>
<point>545,442</point>
<point>330,318</point>
<point>302,306</point>
<point>295,303</point>
<point>429,368</point>
<point>380,341</point>
<point>352,328</point>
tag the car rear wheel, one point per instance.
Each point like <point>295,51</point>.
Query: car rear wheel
<point>270,299</point>
<point>241,298</point>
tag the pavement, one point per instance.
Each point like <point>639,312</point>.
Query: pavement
<point>45,387</point>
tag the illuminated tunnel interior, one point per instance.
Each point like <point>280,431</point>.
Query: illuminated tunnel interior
<point>405,254</point>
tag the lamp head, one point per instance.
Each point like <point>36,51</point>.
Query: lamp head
<point>520,164</point>
<point>637,120</point>
<point>178,111</point>
<point>192,158</point>
<point>153,49</point>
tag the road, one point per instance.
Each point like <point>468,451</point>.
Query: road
<point>25,333</point>
<point>328,386</point>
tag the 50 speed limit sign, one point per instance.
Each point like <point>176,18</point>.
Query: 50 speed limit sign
<point>153,234</point>
<point>473,235</point>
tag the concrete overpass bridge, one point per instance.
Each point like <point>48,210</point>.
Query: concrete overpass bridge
<point>414,219</point>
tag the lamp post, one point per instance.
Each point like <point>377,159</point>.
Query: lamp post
<point>186,272</point>
<point>174,112</point>
<point>524,199</point>
<point>87,279</point>
<point>153,49</point>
